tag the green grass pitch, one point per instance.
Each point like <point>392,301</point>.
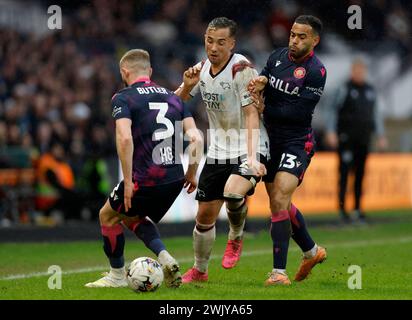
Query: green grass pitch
<point>382,250</point>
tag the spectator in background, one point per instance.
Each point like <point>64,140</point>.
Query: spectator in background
<point>94,179</point>
<point>55,184</point>
<point>354,116</point>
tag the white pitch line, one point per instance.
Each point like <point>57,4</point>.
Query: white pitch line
<point>213,257</point>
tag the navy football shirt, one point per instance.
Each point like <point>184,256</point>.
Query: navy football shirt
<point>291,94</point>
<point>156,114</point>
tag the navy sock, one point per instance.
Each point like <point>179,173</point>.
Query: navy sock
<point>299,231</point>
<point>280,232</point>
<point>113,245</point>
<point>148,233</point>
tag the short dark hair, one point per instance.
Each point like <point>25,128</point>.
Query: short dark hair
<point>223,22</point>
<point>313,21</point>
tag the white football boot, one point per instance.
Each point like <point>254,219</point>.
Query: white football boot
<point>110,280</point>
<point>171,270</point>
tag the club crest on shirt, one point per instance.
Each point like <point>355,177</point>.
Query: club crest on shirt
<point>299,73</point>
<point>225,85</point>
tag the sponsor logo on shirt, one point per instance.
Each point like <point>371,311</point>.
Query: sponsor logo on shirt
<point>212,100</point>
<point>317,91</point>
<point>283,86</point>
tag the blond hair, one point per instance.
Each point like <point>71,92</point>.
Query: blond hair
<point>136,61</point>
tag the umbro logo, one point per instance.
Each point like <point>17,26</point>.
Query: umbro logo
<point>278,63</point>
<point>116,111</point>
<point>115,197</point>
<point>298,163</point>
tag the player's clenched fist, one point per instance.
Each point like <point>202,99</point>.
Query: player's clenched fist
<point>191,76</point>
<point>256,167</point>
<point>257,84</point>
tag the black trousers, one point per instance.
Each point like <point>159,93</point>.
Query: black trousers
<point>352,158</point>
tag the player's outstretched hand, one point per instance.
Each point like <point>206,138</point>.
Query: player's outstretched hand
<point>190,182</point>
<point>191,76</point>
<point>258,101</point>
<point>256,167</point>
<point>257,84</point>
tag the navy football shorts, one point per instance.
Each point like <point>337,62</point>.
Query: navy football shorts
<point>152,202</point>
<point>215,174</point>
<point>293,157</point>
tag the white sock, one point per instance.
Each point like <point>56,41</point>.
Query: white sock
<point>118,273</point>
<point>164,257</point>
<point>202,245</point>
<point>311,253</point>
<point>283,271</point>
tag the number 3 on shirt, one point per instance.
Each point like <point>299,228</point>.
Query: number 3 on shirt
<point>289,161</point>
<point>161,134</point>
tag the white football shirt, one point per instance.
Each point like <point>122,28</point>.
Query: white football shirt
<point>224,96</point>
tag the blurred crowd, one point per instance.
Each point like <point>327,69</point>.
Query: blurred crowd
<point>55,90</point>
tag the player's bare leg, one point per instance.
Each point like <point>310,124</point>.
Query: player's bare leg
<point>113,238</point>
<point>235,190</point>
<point>204,235</point>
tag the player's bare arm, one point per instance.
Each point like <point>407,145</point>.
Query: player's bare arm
<point>124,144</point>
<point>257,84</point>
<point>190,78</point>
<point>252,126</point>
<point>195,151</point>
<point>252,119</point>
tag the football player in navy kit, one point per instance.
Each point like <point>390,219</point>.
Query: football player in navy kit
<point>146,116</point>
<point>292,83</point>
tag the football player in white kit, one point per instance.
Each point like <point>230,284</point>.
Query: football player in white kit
<point>238,146</point>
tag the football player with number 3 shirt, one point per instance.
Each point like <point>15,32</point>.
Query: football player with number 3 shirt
<point>146,117</point>
<point>292,83</point>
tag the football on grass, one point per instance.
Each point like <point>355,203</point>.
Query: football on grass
<point>145,274</point>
